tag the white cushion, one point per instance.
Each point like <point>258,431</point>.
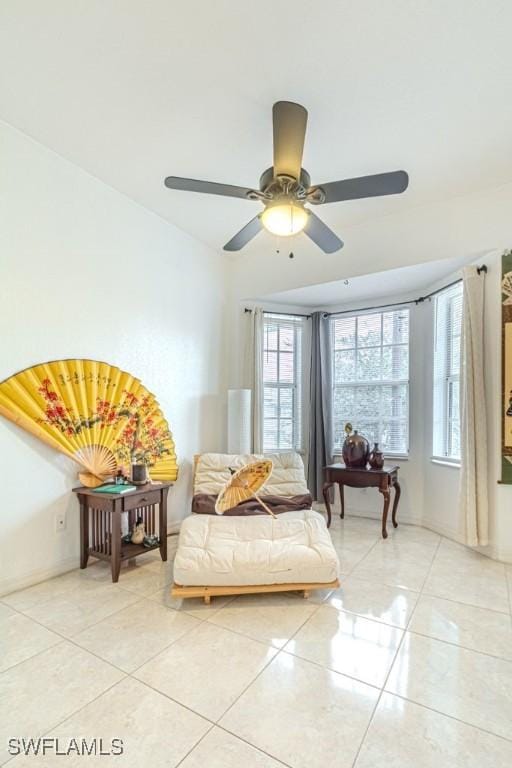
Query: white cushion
<point>287,478</point>
<point>295,547</point>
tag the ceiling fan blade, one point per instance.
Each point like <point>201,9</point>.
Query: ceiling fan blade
<point>365,186</point>
<point>207,187</point>
<point>289,121</point>
<point>320,234</point>
<point>245,235</point>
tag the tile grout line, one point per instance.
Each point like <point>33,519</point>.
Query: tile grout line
<point>458,645</point>
<point>383,689</point>
<point>259,749</point>
<point>76,711</point>
<point>212,726</point>
<point>72,641</point>
<point>278,651</point>
<point>216,723</point>
<point>187,632</point>
<point>450,717</point>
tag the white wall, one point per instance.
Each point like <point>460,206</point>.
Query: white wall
<point>85,272</point>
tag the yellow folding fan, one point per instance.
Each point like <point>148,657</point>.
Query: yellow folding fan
<point>101,417</point>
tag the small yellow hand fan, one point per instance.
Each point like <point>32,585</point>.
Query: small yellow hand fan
<point>98,415</point>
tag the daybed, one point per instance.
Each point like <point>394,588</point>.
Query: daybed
<point>246,550</point>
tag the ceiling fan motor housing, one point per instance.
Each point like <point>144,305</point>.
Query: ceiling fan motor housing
<point>279,186</point>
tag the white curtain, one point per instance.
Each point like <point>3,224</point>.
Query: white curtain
<point>473,504</point>
<point>253,372</point>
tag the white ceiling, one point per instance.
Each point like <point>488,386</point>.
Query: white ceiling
<point>404,282</point>
<point>134,91</point>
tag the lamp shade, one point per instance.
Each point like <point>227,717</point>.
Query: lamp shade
<point>284,219</point>
<point>239,421</point>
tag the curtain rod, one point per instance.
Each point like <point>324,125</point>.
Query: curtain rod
<point>417,301</point>
<point>273,312</point>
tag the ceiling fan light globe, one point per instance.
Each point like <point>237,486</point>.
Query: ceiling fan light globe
<point>284,219</point>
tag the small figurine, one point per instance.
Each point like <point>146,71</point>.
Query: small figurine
<point>509,409</point>
<point>138,532</point>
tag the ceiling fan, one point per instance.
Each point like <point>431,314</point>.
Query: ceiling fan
<point>286,187</point>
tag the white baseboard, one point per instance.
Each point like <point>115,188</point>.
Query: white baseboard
<point>501,554</point>
<point>15,583</point>
<point>174,528</point>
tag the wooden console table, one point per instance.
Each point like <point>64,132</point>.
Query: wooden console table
<point>384,479</point>
<point>100,523</point>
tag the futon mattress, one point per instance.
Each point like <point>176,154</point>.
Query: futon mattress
<point>295,547</point>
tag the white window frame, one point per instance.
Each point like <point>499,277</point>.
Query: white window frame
<point>443,380</point>
<point>297,386</point>
<point>336,450</point>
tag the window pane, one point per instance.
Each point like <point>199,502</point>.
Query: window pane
<point>282,372</point>
<point>286,367</point>
<point>395,363</point>
<point>369,330</point>
<point>286,402</point>
<point>368,364</point>
<point>454,444</point>
<point>368,403</point>
<point>339,431</point>
<point>454,356</point>
<point>286,339</point>
<point>285,433</point>
<point>271,336</point>
<point>363,388</point>
<point>447,336</point>
<point>270,434</point>
<point>344,367</point>
<point>270,402</point>
<point>270,366</point>
<point>345,333</point>
<point>395,327</point>
<point>395,403</point>
<point>344,402</point>
<point>394,437</point>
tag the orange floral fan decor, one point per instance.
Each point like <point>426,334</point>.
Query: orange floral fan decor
<point>94,413</point>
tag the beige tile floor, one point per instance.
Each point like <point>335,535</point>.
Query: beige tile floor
<point>408,663</point>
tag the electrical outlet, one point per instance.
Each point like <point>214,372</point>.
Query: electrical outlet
<point>60,522</point>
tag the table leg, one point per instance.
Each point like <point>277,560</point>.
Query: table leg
<point>163,525</point>
<point>342,499</point>
<point>115,557</point>
<point>325,492</point>
<point>398,491</point>
<point>386,494</point>
<point>84,534</point>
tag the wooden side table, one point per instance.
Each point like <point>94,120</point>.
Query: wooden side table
<point>100,523</point>
<point>384,479</point>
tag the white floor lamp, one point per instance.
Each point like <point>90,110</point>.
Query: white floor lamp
<point>239,421</point>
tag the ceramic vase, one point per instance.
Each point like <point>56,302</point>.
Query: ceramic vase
<point>376,459</point>
<point>356,450</point>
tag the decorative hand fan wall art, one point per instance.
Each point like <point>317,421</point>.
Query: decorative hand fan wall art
<point>96,414</point>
